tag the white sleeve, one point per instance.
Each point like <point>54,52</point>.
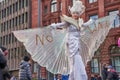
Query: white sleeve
<point>59,25</point>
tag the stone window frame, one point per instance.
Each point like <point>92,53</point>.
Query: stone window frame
<point>92,1</point>
<point>53,5</point>
<point>95,66</point>
<point>115,57</point>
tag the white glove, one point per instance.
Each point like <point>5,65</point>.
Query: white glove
<point>53,25</point>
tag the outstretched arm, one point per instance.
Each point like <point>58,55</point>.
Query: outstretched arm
<point>90,21</point>
<point>59,25</point>
<point>86,24</point>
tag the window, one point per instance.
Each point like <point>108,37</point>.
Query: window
<point>53,6</point>
<point>93,17</point>
<point>117,19</point>
<point>115,57</point>
<point>92,1</point>
<point>95,61</point>
<point>13,8</point>
<point>34,67</point>
<point>20,6</point>
<point>19,21</point>
<point>7,11</point>
<point>22,3</point>
<point>2,13</point>
<point>16,6</point>
<point>45,9</point>
<point>10,24</point>
<point>2,27</point>
<point>94,66</point>
<point>50,76</point>
<point>0,40</point>
<point>26,2</point>
<point>22,18</point>
<point>61,6</point>
<point>26,17</point>
<point>16,21</point>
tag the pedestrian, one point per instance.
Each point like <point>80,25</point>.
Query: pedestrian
<point>3,63</point>
<point>25,71</point>
<point>112,74</point>
<point>104,71</point>
<point>99,77</point>
<point>93,77</point>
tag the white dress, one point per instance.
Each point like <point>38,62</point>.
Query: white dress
<point>77,67</point>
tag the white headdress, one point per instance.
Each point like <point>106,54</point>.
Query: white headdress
<point>77,7</point>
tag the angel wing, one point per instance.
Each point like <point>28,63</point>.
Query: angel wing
<point>94,35</point>
<point>46,47</point>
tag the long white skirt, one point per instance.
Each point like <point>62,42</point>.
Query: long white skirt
<point>78,71</point>
<point>77,67</point>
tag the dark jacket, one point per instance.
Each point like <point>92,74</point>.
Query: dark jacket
<point>3,61</point>
<point>93,78</point>
<point>112,76</point>
<point>24,71</point>
<point>104,73</point>
<point>1,75</point>
<point>4,72</point>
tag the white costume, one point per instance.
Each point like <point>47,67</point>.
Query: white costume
<point>77,67</point>
<point>73,42</point>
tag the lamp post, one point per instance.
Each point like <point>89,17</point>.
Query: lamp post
<point>38,66</point>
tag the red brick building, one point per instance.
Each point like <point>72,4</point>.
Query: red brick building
<point>108,51</point>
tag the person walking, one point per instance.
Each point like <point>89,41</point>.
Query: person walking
<point>112,74</point>
<point>24,71</point>
<point>4,70</point>
<point>104,71</point>
<point>93,77</point>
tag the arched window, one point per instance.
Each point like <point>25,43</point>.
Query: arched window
<point>95,62</point>
<point>53,5</point>
<point>115,57</point>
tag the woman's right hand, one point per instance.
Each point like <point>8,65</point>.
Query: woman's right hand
<point>53,25</point>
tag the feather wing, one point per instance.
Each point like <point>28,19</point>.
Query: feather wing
<point>46,47</point>
<point>94,35</point>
